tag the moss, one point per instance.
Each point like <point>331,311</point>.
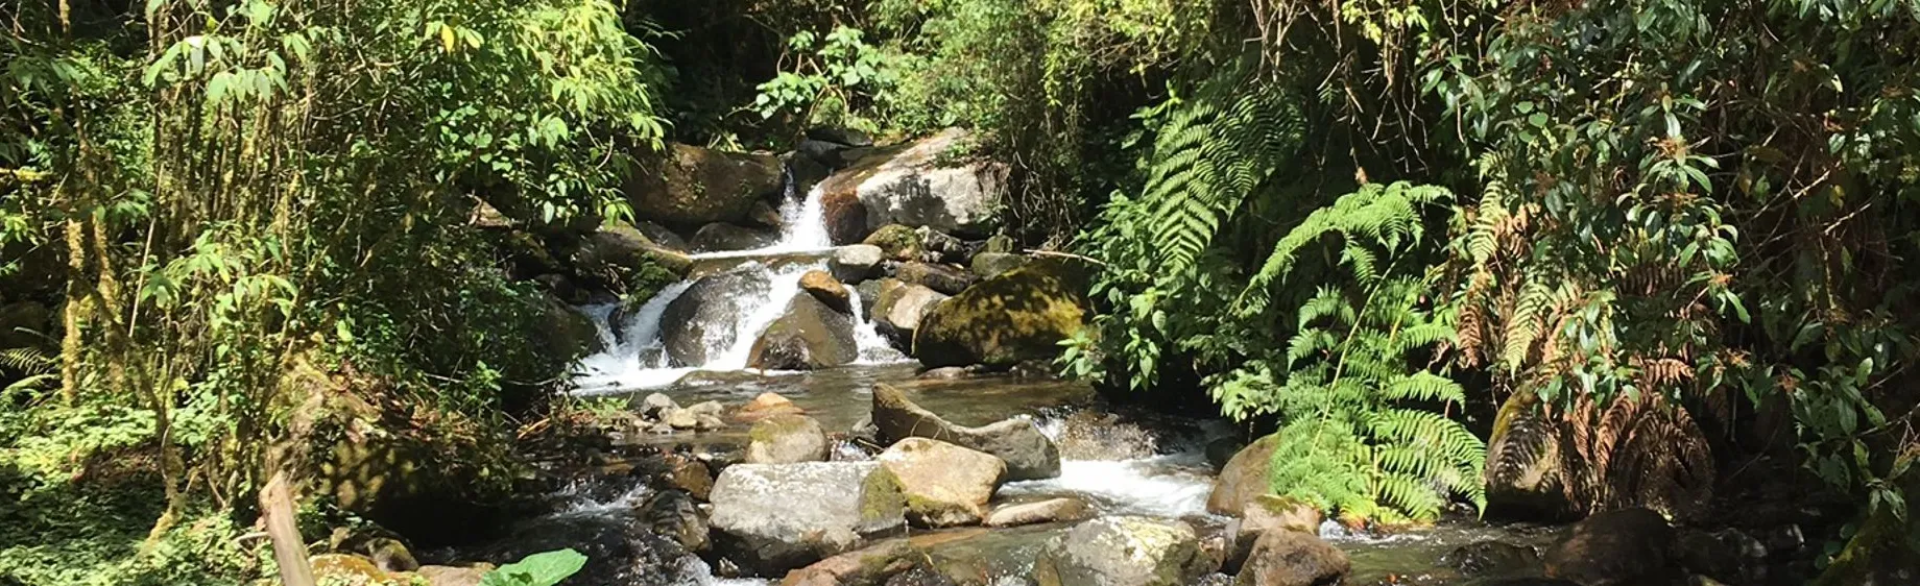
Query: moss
<point>897,242</point>
<point>881,497</point>
<point>773,428</point>
<point>1019,315</point>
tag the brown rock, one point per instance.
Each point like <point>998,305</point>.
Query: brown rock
<point>766,405</point>
<point>942,278</point>
<point>1047,511</point>
<point>1286,558</point>
<point>346,569</point>
<point>828,290</point>
<point>1615,548</point>
<point>1265,514</point>
<point>1243,479</point>
<point>692,476</point>
<point>786,439</point>
<point>864,567</point>
<point>945,485</point>
<point>845,216</point>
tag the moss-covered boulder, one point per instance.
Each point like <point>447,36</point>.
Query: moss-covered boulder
<point>991,264</point>
<point>897,242</point>
<point>809,336</point>
<point>1123,551</point>
<point>772,518</point>
<point>1020,315</point>
<point>786,439</point>
<point>1243,479</point>
<point>945,485</point>
<point>691,186</point>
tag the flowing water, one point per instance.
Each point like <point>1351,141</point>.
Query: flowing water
<point>1118,464</point>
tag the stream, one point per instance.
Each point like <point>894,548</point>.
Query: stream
<point>1118,461</point>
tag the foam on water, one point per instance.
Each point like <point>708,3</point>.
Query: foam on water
<point>1162,486</point>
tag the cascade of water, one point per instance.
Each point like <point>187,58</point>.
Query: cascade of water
<point>635,354</point>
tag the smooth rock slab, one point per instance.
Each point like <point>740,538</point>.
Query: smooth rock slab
<point>776,517</point>
<point>1047,511</point>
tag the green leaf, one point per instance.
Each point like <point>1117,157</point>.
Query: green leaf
<point>540,569</point>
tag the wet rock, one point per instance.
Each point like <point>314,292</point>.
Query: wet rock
<point>708,308</point>
<point>855,263</point>
<point>1705,553</point>
<point>921,575</point>
<point>569,334</point>
<point>705,422</point>
<point>870,292</point>
<point>1490,558</point>
<point>1615,548</point>
<point>776,517</point>
<point>946,373</point>
<point>1029,454</point>
<point>1094,435</point>
<point>729,237</point>
<point>785,439</point>
<point>1287,558</point>
<point>1020,315</point>
<point>945,485</point>
<point>454,575</point>
<point>1243,479</point>
<point>870,566</point>
<point>674,515</point>
<point>896,242</point>
<point>828,290</point>
<point>687,185</point>
<point>692,476</point>
<point>764,216</point>
<point>845,217</point>
<point>1047,511</point>
<point>1123,551</point>
<point>942,278</point>
<point>623,248</point>
<point>1266,514</point>
<point>766,405</point>
<point>809,336</point>
<point>918,184</point>
<point>990,264</point>
<point>898,311</point>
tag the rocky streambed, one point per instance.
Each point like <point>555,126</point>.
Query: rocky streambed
<point>875,475</point>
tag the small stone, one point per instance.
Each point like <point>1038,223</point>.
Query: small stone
<point>692,476</point>
<point>945,373</point>
<point>766,405</point>
<point>940,278</point>
<point>705,422</point>
<point>708,408</point>
<point>682,419</point>
<point>454,576</point>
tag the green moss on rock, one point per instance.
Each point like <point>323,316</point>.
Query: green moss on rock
<point>1016,316</point>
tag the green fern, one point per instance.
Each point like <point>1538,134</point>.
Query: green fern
<point>1377,215</point>
<point>1214,151</point>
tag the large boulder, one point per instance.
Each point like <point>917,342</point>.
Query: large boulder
<point>898,311</point>
<point>918,184</point>
<point>828,290</point>
<point>897,242</point>
<point>787,439</point>
<point>1287,558</point>
<point>942,278</point>
<point>1123,551</point>
<point>945,485</point>
<point>730,237</point>
<point>1243,479</point>
<point>772,518</point>
<point>1615,548</point>
<point>568,333</point>
<point>702,317</point>
<point>845,217</point>
<point>1523,464</point>
<point>622,248</point>
<point>1020,315</point>
<point>809,336</point>
<point>690,186</point>
<point>1028,453</point>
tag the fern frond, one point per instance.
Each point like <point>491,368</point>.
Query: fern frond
<point>1425,386</point>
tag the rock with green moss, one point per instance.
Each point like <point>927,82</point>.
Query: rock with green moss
<point>942,278</point>
<point>1017,316</point>
<point>945,485</point>
<point>869,566</point>
<point>772,518</point>
<point>786,439</point>
<point>1123,551</point>
<point>987,265</point>
<point>897,242</point>
<point>691,186</point>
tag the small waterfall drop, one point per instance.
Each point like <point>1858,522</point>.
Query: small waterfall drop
<point>756,291</point>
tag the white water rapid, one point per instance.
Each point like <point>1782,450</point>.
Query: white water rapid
<point>760,288</point>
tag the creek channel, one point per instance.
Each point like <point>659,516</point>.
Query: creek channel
<point>1118,460</point>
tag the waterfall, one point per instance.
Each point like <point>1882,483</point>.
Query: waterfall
<point>756,292</point>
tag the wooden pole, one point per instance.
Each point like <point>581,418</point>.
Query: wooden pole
<point>276,506</point>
